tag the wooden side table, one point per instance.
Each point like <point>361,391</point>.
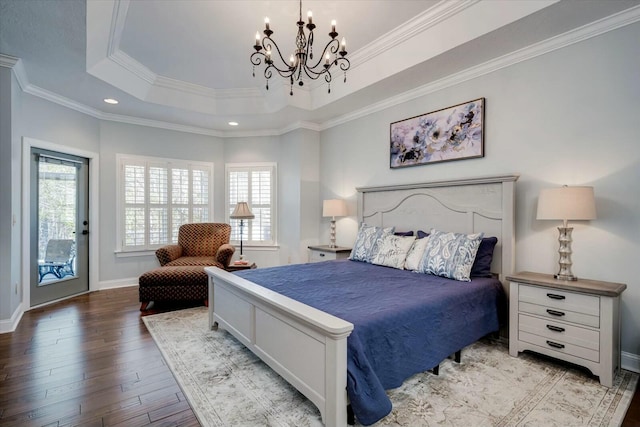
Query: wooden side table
<point>240,267</point>
<point>326,253</point>
<point>576,321</point>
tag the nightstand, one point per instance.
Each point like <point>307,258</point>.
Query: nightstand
<point>576,321</point>
<point>239,267</point>
<point>326,253</point>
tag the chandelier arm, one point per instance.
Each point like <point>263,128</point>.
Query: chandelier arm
<point>257,58</point>
<point>270,44</point>
<point>332,48</point>
<point>343,63</point>
<point>313,75</point>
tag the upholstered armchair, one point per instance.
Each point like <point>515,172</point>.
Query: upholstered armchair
<point>202,244</point>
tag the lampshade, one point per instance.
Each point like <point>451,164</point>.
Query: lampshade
<point>567,203</point>
<point>242,211</point>
<point>334,207</point>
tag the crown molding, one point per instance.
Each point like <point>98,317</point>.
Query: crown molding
<point>585,32</point>
<point>429,18</point>
<point>17,66</point>
<point>119,118</point>
<point>577,35</point>
<point>7,61</point>
<point>118,20</point>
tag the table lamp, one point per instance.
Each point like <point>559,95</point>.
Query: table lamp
<point>242,212</point>
<point>333,208</point>
<point>566,203</point>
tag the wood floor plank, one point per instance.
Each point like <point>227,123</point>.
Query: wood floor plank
<point>90,361</point>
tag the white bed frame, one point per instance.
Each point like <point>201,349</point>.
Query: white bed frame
<point>308,347</point>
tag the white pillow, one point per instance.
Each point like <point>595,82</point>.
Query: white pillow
<point>392,250</point>
<point>366,245</point>
<point>450,254</point>
<point>415,254</point>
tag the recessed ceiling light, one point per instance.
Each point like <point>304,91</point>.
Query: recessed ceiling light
<point>111,101</point>
<point>233,123</point>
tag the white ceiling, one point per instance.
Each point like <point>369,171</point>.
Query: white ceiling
<point>184,64</point>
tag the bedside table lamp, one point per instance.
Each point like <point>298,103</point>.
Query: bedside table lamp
<point>242,212</point>
<point>333,208</point>
<point>566,203</point>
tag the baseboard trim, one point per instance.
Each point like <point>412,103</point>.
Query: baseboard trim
<point>10,325</point>
<point>118,283</point>
<point>630,362</point>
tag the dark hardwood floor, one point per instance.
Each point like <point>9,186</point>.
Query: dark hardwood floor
<point>89,361</point>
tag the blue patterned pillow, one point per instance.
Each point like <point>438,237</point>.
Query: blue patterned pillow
<point>366,246</point>
<point>450,255</point>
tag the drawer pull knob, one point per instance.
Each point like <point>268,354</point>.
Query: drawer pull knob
<point>555,313</point>
<point>555,344</point>
<point>321,254</point>
<point>555,328</point>
<point>556,296</point>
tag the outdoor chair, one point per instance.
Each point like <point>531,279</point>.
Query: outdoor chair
<point>58,259</point>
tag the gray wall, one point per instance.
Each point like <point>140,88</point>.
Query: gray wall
<point>120,138</point>
<point>566,117</point>
<point>296,154</point>
<point>7,293</point>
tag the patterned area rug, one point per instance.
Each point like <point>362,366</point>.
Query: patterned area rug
<point>227,385</point>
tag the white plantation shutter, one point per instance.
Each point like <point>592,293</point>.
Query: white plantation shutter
<point>157,196</point>
<point>254,184</point>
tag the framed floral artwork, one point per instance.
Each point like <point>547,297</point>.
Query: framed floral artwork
<point>451,133</point>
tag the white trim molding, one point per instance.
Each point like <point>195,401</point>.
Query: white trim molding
<point>630,361</point>
<point>10,325</point>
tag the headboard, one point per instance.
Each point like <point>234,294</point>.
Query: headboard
<point>470,205</point>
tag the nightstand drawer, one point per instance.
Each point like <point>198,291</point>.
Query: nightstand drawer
<point>317,256</point>
<point>558,346</point>
<point>560,332</point>
<point>558,314</point>
<point>562,300</point>
<point>328,253</point>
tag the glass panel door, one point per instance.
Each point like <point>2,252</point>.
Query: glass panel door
<point>59,226</point>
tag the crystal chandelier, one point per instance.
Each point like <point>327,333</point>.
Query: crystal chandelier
<point>301,61</point>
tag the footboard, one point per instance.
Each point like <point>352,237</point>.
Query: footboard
<point>306,346</point>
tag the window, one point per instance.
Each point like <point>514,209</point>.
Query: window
<point>256,184</point>
<point>156,196</point>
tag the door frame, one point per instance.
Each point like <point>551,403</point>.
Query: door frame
<point>94,161</point>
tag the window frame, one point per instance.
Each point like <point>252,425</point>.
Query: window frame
<point>148,162</point>
<point>251,167</point>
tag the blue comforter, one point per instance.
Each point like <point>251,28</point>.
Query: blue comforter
<point>404,322</point>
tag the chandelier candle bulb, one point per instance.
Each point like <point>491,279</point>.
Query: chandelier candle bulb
<point>257,38</point>
<point>266,23</point>
<point>333,26</point>
<point>310,17</point>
